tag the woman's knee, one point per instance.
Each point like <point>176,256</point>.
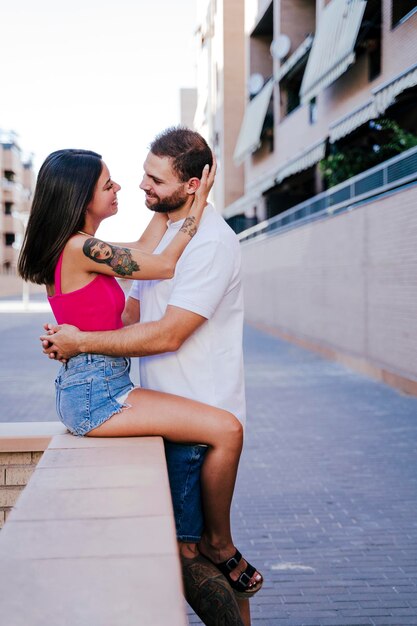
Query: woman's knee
<point>233,428</point>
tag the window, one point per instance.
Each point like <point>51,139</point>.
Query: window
<point>402,10</point>
<point>293,95</point>
<point>9,239</point>
<point>260,42</point>
<point>267,132</point>
<point>9,175</point>
<point>374,58</point>
<point>290,87</point>
<point>370,38</point>
<point>261,65</point>
<point>8,207</point>
<point>312,111</point>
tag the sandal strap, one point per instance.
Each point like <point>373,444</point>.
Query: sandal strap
<point>231,563</point>
<point>241,585</point>
<point>244,578</point>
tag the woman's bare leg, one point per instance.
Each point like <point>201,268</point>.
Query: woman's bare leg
<point>185,421</point>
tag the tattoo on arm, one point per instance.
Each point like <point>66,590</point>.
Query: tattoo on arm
<point>189,227</point>
<point>119,259</point>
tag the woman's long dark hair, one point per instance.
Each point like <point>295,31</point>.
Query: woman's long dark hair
<point>64,188</point>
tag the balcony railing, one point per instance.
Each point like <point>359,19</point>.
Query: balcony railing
<point>11,185</point>
<point>395,172</point>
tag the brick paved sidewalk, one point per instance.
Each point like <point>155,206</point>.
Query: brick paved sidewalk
<point>326,501</point>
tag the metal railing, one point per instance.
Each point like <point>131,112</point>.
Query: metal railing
<point>395,172</point>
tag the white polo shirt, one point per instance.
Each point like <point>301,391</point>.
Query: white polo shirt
<point>209,365</point>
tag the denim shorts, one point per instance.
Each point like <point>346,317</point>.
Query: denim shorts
<point>87,390</point>
<point>184,465</point>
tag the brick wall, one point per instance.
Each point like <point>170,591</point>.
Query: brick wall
<point>346,283</point>
<point>15,471</point>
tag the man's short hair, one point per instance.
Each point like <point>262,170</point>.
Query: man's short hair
<point>188,150</point>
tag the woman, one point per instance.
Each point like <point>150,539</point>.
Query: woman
<point>95,396</point>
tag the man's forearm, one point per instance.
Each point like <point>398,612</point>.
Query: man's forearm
<point>135,340</point>
<point>140,339</point>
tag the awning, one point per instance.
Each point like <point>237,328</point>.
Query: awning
<point>295,58</point>
<point>306,159</point>
<point>349,123</point>
<point>386,93</point>
<point>239,206</point>
<point>303,161</point>
<point>333,47</point>
<point>250,132</point>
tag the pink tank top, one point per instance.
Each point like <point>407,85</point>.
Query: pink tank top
<point>96,306</point>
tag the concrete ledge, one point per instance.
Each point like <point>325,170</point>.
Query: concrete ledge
<point>91,539</point>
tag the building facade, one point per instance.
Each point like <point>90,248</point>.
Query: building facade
<point>312,76</point>
<point>327,142</point>
<point>16,188</point>
<point>221,90</point>
<point>188,104</point>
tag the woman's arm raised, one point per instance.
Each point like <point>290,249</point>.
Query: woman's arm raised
<point>100,257</point>
<point>150,237</point>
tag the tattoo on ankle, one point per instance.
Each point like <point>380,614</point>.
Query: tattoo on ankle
<point>189,227</point>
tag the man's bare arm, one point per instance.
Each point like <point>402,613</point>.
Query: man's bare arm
<point>131,313</point>
<point>165,335</point>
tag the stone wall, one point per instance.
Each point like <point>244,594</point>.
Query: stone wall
<point>15,470</point>
<point>22,444</point>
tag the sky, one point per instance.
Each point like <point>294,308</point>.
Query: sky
<point>99,75</point>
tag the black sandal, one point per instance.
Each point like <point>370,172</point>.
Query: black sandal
<point>239,586</point>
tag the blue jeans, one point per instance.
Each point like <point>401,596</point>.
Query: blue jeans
<point>184,465</point>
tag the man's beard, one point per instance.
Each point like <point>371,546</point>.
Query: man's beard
<point>172,203</point>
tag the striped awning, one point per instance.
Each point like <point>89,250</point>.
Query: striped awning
<point>333,47</point>
<point>303,161</point>
<point>306,159</point>
<point>252,195</point>
<point>347,124</point>
<point>250,132</point>
<point>239,206</point>
<point>295,58</point>
<point>385,94</point>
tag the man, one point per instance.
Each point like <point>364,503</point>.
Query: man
<point>190,341</point>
